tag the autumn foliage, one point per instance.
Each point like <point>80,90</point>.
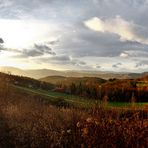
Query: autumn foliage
<point>28,120</point>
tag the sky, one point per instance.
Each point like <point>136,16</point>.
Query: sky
<point>97,35</point>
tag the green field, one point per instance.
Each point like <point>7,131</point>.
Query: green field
<point>60,99</point>
<point>142,84</point>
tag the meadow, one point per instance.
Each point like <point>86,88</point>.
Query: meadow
<point>77,101</point>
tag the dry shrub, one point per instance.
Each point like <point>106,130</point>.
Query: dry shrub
<point>110,132</point>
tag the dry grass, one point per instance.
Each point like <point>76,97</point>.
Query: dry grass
<point>30,121</point>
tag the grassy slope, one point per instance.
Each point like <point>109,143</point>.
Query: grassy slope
<point>75,101</point>
<point>54,97</point>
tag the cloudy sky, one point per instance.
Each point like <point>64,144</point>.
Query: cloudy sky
<point>100,35</point>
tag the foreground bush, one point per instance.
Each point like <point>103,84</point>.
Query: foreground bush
<point>113,133</point>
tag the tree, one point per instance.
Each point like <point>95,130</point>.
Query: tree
<point>73,88</point>
<point>133,100</point>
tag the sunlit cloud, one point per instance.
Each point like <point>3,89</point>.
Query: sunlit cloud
<point>127,31</point>
<point>124,55</point>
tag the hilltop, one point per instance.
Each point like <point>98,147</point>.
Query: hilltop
<point>69,80</point>
<point>24,81</point>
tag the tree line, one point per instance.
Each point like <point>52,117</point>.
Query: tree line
<point>114,90</point>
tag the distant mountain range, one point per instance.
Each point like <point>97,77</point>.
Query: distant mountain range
<point>41,73</point>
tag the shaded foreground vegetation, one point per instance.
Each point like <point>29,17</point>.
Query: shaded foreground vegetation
<point>28,120</point>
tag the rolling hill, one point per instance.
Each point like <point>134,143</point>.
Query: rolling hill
<point>69,80</point>
<point>41,73</point>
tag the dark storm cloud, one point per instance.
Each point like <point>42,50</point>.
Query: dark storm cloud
<point>54,42</point>
<point>142,53</point>
<point>98,66</point>
<point>37,50</point>
<point>141,63</point>
<point>42,48</point>
<point>1,41</point>
<point>1,44</point>
<point>63,60</point>
<point>117,65</point>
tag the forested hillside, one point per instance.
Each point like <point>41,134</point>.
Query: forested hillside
<point>120,90</point>
<point>24,81</point>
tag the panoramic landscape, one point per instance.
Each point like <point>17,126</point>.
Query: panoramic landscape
<point>73,74</point>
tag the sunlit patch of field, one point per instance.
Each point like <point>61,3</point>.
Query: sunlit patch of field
<point>142,84</point>
<point>128,104</point>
